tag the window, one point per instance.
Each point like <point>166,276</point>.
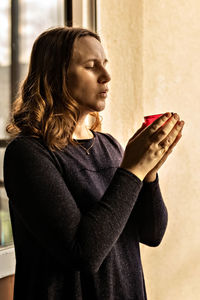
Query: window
<point>5,63</point>
<point>21,22</point>
<point>34,17</point>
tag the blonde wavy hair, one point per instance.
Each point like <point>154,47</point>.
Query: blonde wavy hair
<point>44,108</point>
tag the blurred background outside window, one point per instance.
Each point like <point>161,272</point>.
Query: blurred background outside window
<point>21,21</point>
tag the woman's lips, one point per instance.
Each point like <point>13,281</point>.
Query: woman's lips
<point>103,94</point>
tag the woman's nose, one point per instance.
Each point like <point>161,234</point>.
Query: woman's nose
<point>104,76</point>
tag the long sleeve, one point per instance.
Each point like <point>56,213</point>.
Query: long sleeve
<point>151,214</point>
<point>42,201</point>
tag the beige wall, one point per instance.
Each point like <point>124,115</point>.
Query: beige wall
<point>154,52</point>
<point>122,34</point>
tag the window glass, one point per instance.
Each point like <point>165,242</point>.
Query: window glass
<point>34,17</point>
<point>4,64</point>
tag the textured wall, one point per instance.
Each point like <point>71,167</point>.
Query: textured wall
<point>122,38</point>
<point>154,52</point>
<point>171,56</point>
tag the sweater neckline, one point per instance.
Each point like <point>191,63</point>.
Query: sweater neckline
<point>87,140</point>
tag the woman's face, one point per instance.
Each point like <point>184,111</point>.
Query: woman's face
<point>87,74</point>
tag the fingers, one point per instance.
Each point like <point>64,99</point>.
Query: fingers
<point>153,127</point>
<point>176,140</point>
<point>162,133</point>
<point>169,151</point>
<point>173,137</point>
<point>158,123</point>
<point>165,129</point>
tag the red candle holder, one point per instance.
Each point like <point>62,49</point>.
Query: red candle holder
<point>148,120</point>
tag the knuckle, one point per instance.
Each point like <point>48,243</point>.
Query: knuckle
<point>164,147</point>
<point>154,126</point>
<point>159,152</point>
<point>164,118</point>
<point>174,120</point>
<point>169,141</point>
<point>159,135</point>
<point>151,148</point>
<point>178,126</point>
<point>162,132</point>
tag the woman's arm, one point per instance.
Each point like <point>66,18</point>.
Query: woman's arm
<point>42,201</point>
<point>149,211</point>
<point>151,214</point>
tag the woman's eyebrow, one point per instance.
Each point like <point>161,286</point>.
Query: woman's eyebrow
<point>95,59</point>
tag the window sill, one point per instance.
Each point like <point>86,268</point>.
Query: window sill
<point>7,261</point>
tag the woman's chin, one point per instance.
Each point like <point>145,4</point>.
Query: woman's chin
<point>98,106</point>
<point>101,107</point>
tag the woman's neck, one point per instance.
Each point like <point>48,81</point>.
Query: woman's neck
<point>81,131</point>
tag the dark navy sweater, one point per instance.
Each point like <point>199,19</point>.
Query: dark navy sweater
<point>78,219</point>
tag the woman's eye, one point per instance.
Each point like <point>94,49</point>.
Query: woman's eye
<point>90,67</point>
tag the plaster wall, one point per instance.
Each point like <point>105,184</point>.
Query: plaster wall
<point>121,30</point>
<point>171,83</point>
<point>153,48</point>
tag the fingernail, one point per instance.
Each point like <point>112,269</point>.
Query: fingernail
<point>176,117</point>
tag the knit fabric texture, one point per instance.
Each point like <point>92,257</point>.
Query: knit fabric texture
<point>78,219</point>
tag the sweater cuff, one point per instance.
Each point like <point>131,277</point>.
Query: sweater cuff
<point>122,170</point>
<point>155,182</point>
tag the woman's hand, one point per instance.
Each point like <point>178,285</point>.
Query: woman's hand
<point>151,176</point>
<point>149,148</point>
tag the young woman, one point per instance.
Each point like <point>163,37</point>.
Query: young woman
<point>79,204</point>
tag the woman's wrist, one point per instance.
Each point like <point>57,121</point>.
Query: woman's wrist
<point>150,177</point>
<point>134,171</point>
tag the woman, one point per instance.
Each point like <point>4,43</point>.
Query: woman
<point>79,203</point>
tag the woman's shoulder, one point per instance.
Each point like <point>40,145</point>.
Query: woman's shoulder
<point>24,144</point>
<point>21,140</point>
<point>24,151</point>
<point>110,139</point>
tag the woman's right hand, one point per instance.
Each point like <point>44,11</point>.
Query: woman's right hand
<point>145,150</point>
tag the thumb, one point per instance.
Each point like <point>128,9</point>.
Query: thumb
<point>138,132</point>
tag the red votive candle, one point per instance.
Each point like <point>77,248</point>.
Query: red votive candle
<point>150,119</point>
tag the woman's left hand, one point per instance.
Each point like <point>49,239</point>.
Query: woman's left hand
<point>151,176</point>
